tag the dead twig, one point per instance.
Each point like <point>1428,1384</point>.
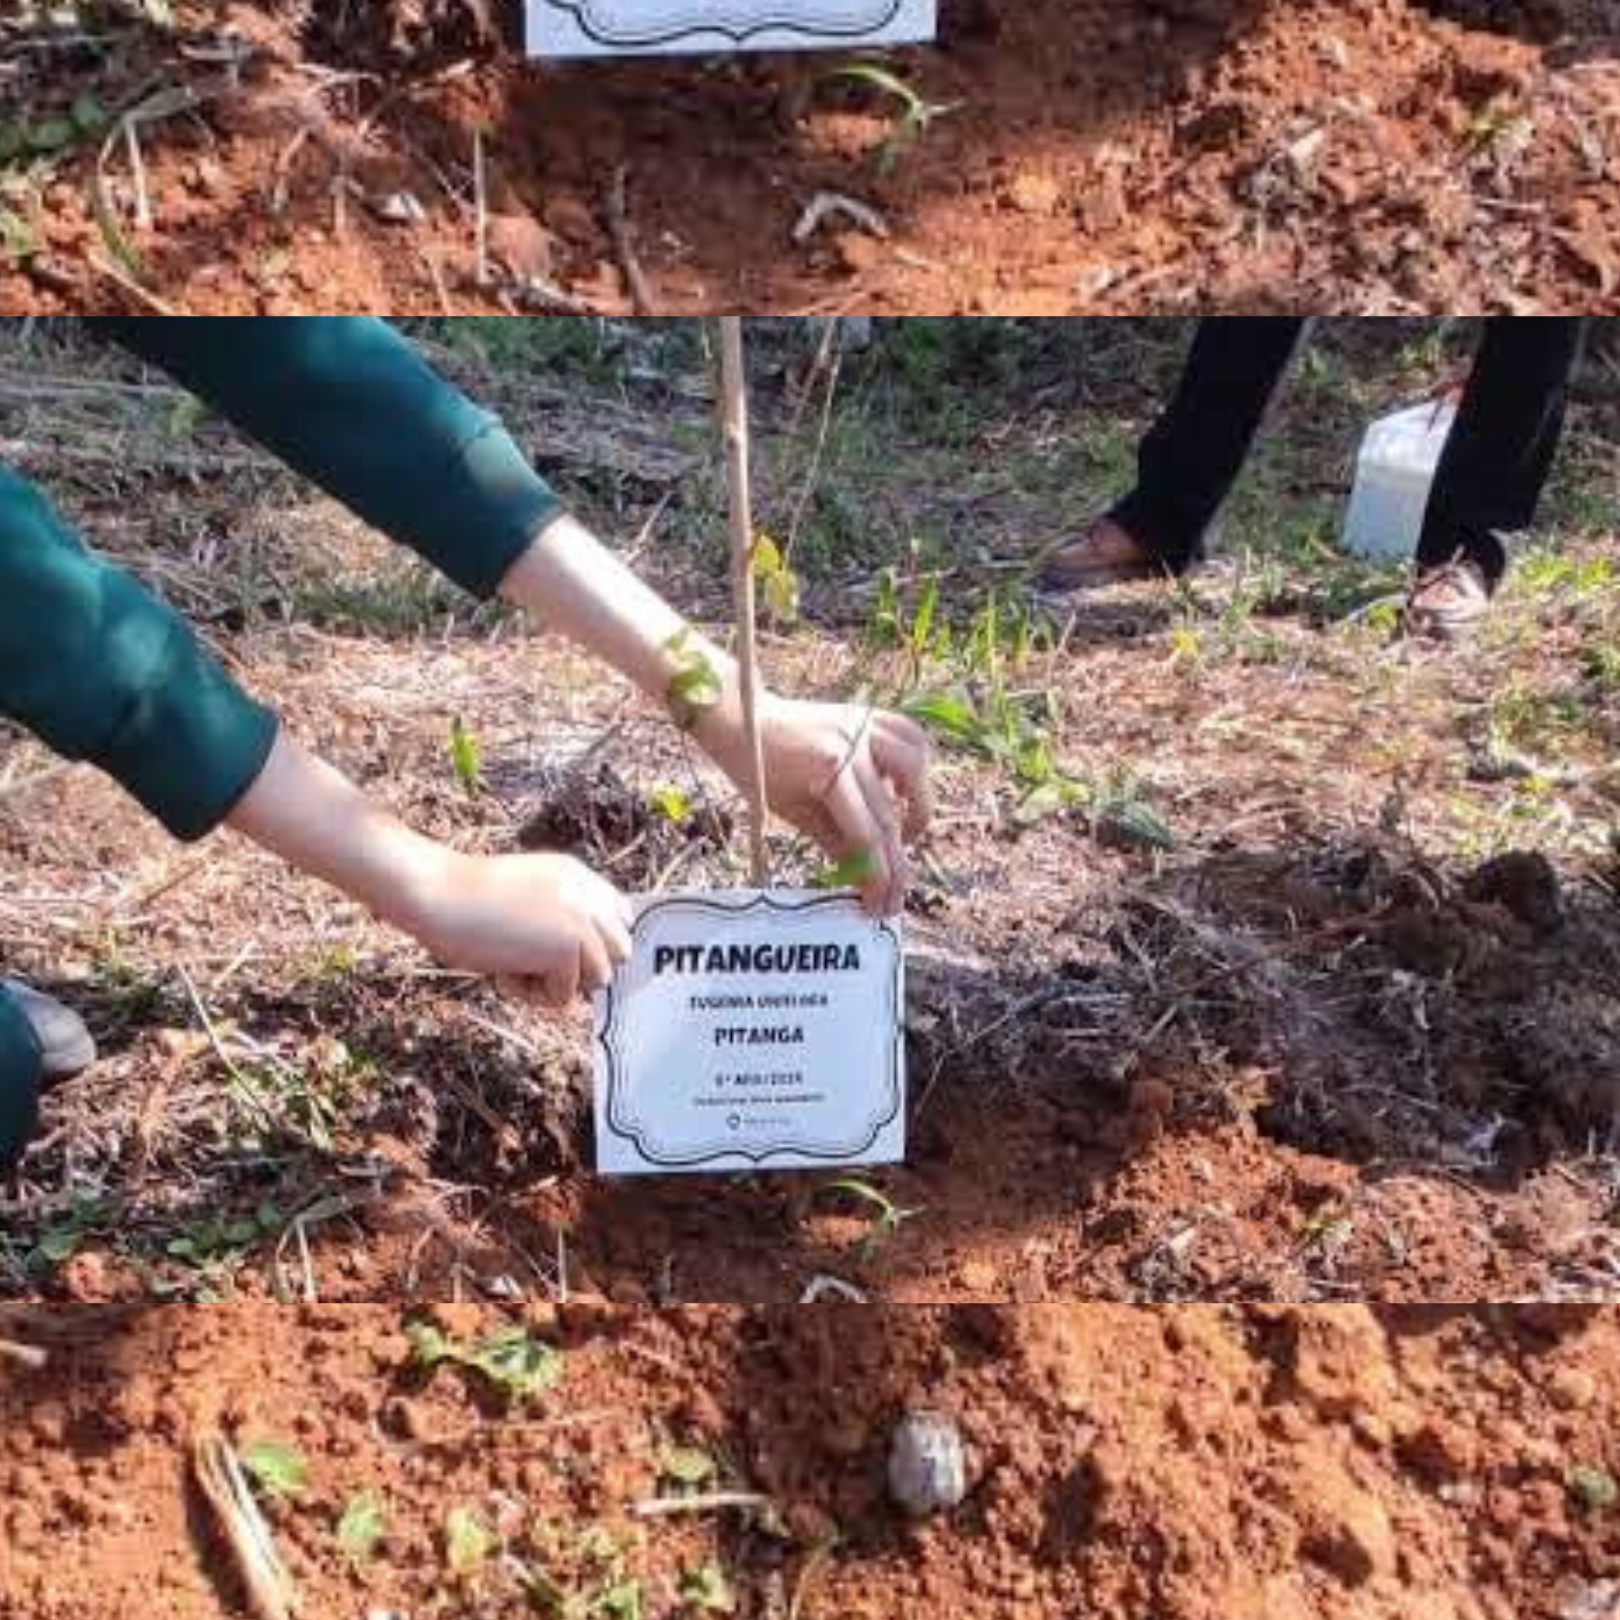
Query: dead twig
<point>224,1486</point>
<point>25,1355</point>
<point>618,217</point>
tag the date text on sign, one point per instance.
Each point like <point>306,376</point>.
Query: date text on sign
<point>637,27</point>
<point>752,1030</point>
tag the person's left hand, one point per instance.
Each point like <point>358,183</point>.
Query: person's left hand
<point>853,778</point>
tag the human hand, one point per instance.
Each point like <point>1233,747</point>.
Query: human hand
<point>545,926</point>
<point>852,777</point>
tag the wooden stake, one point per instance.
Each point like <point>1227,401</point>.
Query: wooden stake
<point>734,420</point>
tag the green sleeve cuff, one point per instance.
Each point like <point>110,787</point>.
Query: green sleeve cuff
<point>102,671</point>
<point>350,403</point>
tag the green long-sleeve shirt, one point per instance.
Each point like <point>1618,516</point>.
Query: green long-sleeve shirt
<point>103,671</point>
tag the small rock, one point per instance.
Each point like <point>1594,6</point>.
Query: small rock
<point>1571,1389</point>
<point>1036,193</point>
<point>928,1464</point>
<point>399,208</point>
<point>1352,1536</point>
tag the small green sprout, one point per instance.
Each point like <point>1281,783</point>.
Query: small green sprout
<point>362,1525</point>
<point>674,804</point>
<point>280,1469</point>
<point>887,1216</point>
<point>707,1590</point>
<point>1594,1488</point>
<point>466,757</point>
<point>695,684</point>
<point>468,1543</point>
<point>914,115</point>
<point>509,1357</point>
<point>686,1465</point>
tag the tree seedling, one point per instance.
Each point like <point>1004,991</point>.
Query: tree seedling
<point>512,1360</point>
<point>886,1215</point>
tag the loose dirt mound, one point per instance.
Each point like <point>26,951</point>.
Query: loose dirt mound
<point>1113,155</point>
<point>1193,1464</point>
<point>1411,1012</point>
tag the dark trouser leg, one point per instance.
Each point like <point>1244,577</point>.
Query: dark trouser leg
<point>21,1070</point>
<point>1496,461</point>
<point>1191,457</point>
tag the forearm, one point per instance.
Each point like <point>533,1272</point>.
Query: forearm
<point>571,582</point>
<point>312,816</point>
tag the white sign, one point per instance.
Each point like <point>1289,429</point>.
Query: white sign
<point>752,1029</point>
<point>635,27</point>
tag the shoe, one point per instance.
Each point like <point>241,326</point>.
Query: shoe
<point>66,1046</point>
<point>1447,603</point>
<point>1104,555</point>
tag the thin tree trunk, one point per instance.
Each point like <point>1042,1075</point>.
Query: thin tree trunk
<point>734,409</point>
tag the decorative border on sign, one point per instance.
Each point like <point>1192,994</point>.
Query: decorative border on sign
<point>606,1037</point>
<point>583,12</point>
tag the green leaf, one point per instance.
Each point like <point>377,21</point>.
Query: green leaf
<point>1594,1488</point>
<point>1137,823</point>
<point>949,714</point>
<point>1049,799</point>
<point>884,630</point>
<point>922,622</point>
<point>778,581</point>
<point>695,684</point>
<point>686,1465</point>
<point>509,1357</point>
<point>364,1522</point>
<point>707,1590</point>
<point>695,687</point>
<point>878,78</point>
<point>782,596</point>
<point>59,1244</point>
<point>849,873</point>
<point>620,1602</point>
<point>673,804</point>
<point>466,756</point>
<point>281,1469</point>
<point>520,1364</point>
<point>52,135</point>
<point>468,1542</point>
<point>767,556</point>
<point>88,115</point>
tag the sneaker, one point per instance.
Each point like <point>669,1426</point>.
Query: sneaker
<point>1104,555</point>
<point>66,1046</point>
<point>1447,603</point>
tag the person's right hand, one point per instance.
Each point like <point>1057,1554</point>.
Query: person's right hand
<point>545,926</point>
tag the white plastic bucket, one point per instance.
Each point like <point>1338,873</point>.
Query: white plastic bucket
<point>1394,474</point>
